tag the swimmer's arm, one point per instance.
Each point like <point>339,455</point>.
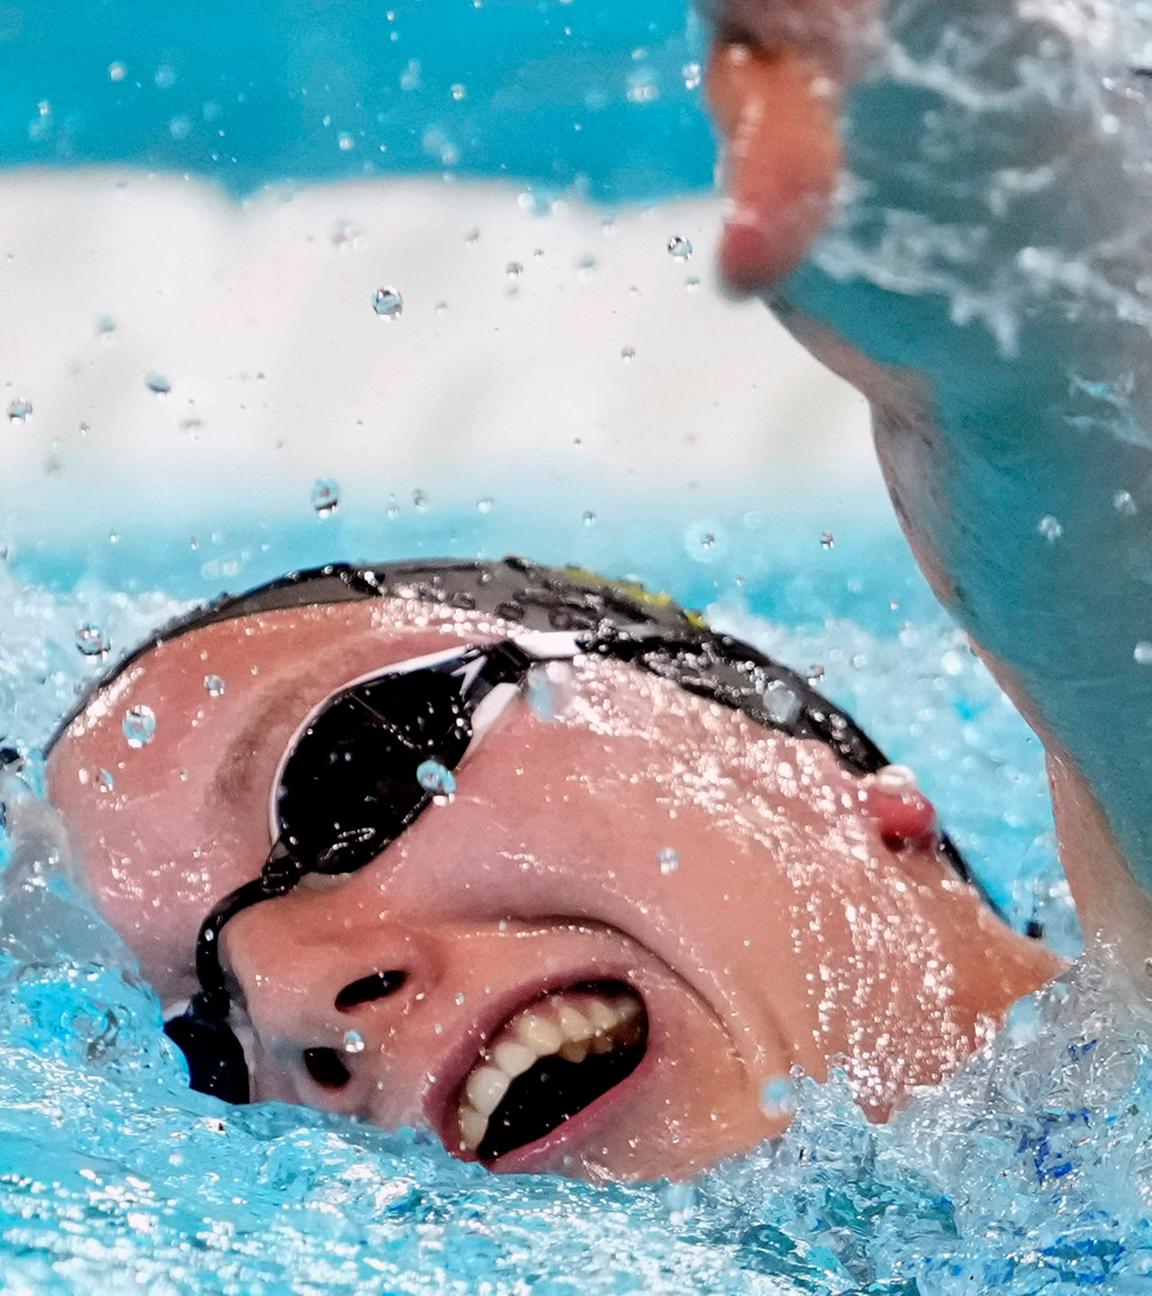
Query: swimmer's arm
<point>982,287</point>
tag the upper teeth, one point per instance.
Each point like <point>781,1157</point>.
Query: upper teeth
<point>570,1025</point>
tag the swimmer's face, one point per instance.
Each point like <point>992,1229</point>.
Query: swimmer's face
<point>685,904</point>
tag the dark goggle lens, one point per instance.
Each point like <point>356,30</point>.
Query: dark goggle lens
<point>350,786</point>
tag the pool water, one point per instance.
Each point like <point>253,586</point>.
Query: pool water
<point>1023,1172</point>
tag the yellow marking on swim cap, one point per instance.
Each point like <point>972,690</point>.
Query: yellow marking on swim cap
<point>638,594</point>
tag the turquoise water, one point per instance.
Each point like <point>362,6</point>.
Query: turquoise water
<point>338,89</point>
<point>1019,1173</point>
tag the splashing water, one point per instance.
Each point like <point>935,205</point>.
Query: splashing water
<point>1023,1172</point>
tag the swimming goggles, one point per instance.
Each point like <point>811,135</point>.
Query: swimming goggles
<point>359,771</point>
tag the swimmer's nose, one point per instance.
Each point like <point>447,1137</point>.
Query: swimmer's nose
<point>328,1004</point>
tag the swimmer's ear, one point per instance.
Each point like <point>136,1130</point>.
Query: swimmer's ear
<point>778,115</point>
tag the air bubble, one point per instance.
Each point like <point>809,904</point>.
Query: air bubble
<point>778,1098</point>
<point>139,725</point>
<point>1142,653</point>
<point>827,540</point>
<point>346,142</point>
<point>781,703</point>
<point>325,497</point>
<point>693,75</point>
<point>388,303</point>
<point>484,505</point>
<point>692,284</point>
<point>353,1042</point>
<point>158,384</point>
<point>628,354</point>
<point>668,859</point>
<point>1124,504</point>
<point>514,270</point>
<point>1050,528</point>
<point>19,410</point>
<point>91,641</point>
<point>588,518</point>
<point>214,686</point>
<point>436,778</point>
<point>459,92</point>
<point>117,71</point>
<point>680,249</point>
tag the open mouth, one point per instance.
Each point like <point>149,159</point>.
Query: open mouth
<point>547,1063</point>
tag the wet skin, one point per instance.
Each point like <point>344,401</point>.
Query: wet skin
<point>789,934</point>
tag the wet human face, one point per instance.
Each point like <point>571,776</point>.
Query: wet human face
<point>715,903</point>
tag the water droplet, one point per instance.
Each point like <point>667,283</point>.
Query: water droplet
<point>585,268</point>
<point>117,71</point>
<point>19,410</point>
<point>1050,528</point>
<point>215,686</point>
<point>680,249</point>
<point>815,673</point>
<point>628,354</point>
<point>158,384</point>
<point>165,77</point>
<point>778,1098</point>
<point>668,859</point>
<point>347,236</point>
<point>472,237</point>
<point>514,270</point>
<point>346,142</point>
<point>705,541</point>
<point>420,501</point>
<point>588,518</point>
<point>679,1201</point>
<point>353,1042</point>
<point>484,505</point>
<point>827,540</point>
<point>91,640</point>
<point>387,303</point>
<point>105,782</point>
<point>436,778</point>
<point>139,725</point>
<point>459,997</point>
<point>1124,504</point>
<point>693,75</point>
<point>690,285</point>
<point>1142,653</point>
<point>781,703</point>
<point>459,92</point>
<point>325,497</point>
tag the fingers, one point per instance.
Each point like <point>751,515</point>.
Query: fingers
<point>778,113</point>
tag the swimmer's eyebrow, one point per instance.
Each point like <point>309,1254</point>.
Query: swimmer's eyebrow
<point>274,713</point>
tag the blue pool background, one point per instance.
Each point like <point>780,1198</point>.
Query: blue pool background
<point>274,90</point>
